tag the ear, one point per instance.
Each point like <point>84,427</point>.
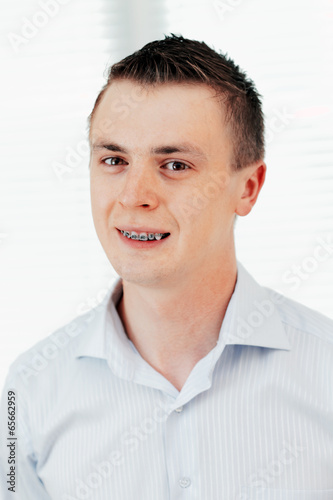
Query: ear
<point>253,179</point>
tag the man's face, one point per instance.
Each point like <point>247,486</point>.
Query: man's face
<point>160,163</point>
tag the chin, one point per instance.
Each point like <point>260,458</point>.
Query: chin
<point>138,275</point>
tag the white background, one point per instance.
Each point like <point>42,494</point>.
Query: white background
<point>54,56</point>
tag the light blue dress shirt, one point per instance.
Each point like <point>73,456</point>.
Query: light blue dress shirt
<point>254,419</point>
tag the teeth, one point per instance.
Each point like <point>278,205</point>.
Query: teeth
<point>125,233</point>
<point>142,236</point>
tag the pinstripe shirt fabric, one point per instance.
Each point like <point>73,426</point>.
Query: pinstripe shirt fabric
<point>254,419</point>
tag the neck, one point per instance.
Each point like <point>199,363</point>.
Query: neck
<point>174,327</point>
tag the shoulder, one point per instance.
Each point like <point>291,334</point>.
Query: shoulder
<point>299,318</point>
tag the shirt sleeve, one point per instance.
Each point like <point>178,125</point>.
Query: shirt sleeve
<point>17,458</point>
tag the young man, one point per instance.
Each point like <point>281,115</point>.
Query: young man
<point>190,380</point>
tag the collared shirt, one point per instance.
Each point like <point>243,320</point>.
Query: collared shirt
<point>254,419</point>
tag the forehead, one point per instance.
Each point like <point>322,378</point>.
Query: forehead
<point>133,112</point>
<point>136,92</point>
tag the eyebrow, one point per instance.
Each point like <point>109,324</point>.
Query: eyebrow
<point>161,150</point>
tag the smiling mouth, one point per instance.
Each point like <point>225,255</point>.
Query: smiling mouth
<point>142,236</point>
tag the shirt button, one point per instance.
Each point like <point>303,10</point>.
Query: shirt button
<point>184,482</point>
<point>180,409</point>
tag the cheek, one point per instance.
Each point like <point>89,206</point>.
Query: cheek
<point>101,196</point>
<point>95,200</point>
<point>202,205</point>
<point>100,209</point>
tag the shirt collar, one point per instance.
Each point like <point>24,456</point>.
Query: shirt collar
<point>251,319</point>
<point>93,339</point>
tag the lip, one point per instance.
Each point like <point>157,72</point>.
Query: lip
<point>141,229</point>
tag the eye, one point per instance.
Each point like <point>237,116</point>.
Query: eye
<point>114,160</point>
<point>176,166</point>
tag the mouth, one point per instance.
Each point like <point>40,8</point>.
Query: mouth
<point>143,236</point>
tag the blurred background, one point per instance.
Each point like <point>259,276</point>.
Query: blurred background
<point>54,58</point>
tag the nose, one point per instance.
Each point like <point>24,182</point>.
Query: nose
<point>140,187</point>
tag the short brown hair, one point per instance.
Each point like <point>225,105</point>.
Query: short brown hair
<point>179,60</point>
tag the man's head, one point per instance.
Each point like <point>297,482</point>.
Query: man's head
<point>163,161</point>
<point>179,60</point>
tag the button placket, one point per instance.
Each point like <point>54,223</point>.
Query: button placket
<point>180,463</point>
